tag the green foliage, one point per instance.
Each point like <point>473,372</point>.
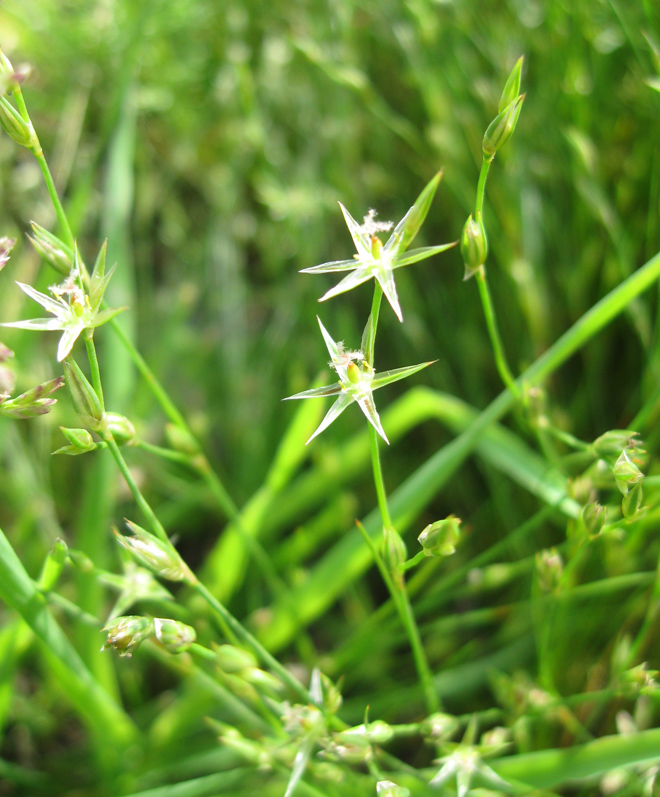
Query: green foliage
<point>210,143</point>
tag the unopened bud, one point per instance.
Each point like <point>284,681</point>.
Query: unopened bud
<point>512,86</point>
<point>593,517</point>
<point>83,397</point>
<point>80,439</point>
<point>549,569</point>
<point>440,538</point>
<point>181,440</point>
<point>55,252</point>
<point>499,131</point>
<point>474,245</point>
<point>6,245</point>
<point>15,126</point>
<point>626,473</point>
<point>33,402</point>
<point>174,636</point>
<point>612,443</point>
<point>121,429</point>
<point>631,505</point>
<point>440,726</point>
<point>394,549</point>
<point>232,659</point>
<point>160,557</point>
<point>126,633</point>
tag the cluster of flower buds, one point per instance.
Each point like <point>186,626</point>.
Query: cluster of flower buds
<point>125,634</point>
<point>36,401</point>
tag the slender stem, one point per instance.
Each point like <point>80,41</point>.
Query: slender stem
<point>491,322</point>
<point>243,635</point>
<point>94,365</point>
<point>140,500</point>
<point>378,478</point>
<point>481,186</point>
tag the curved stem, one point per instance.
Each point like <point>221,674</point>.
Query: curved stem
<point>481,186</point>
<point>493,331</point>
<point>94,365</point>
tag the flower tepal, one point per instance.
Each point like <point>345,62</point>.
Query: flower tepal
<point>73,308</point>
<point>357,381</point>
<point>378,260</point>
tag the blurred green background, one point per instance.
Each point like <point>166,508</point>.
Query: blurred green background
<point>210,142</point>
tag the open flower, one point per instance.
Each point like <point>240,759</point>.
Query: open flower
<point>73,308</point>
<point>378,260</point>
<point>357,381</point>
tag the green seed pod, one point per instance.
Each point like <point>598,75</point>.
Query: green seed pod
<point>174,636</point>
<point>394,549</point>
<point>83,396</point>
<point>126,633</point>
<point>501,128</point>
<point>512,86</point>
<point>79,438</point>
<point>474,245</point>
<point>593,517</point>
<point>440,538</point>
<point>353,373</point>
<point>121,429</point>
<point>15,126</point>
<point>626,473</point>
<point>612,443</point>
<point>180,440</point>
<point>160,557</point>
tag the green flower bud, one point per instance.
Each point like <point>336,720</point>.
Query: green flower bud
<point>593,517</point>
<point>631,505</point>
<point>612,443</point>
<point>440,726</point>
<point>174,636</point>
<point>33,402</point>
<point>51,249</point>
<point>474,245</point>
<point>126,633</point>
<point>626,473</point>
<point>83,396</point>
<point>500,130</point>
<point>394,549</point>
<point>440,538</point>
<point>79,438</point>
<point>549,569</point>
<point>512,86</point>
<point>387,788</point>
<point>15,126</point>
<point>120,427</point>
<point>160,557</point>
<point>53,566</point>
<point>180,440</point>
<point>232,659</point>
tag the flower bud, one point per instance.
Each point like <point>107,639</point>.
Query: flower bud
<point>6,245</point>
<point>55,252</point>
<point>512,86</point>
<point>474,245</point>
<point>394,549</point>
<point>440,538</point>
<point>232,659</point>
<point>161,558</point>
<point>121,429</point>
<point>15,126</point>
<point>612,443</point>
<point>181,440</point>
<point>593,517</point>
<point>80,439</point>
<point>126,633</point>
<point>499,131</point>
<point>440,726</point>
<point>83,397</point>
<point>33,402</point>
<point>386,788</point>
<point>626,473</point>
<point>174,636</point>
<point>549,569</point>
<point>631,505</point>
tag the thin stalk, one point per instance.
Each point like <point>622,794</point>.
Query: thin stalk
<point>139,499</point>
<point>242,634</point>
<point>481,186</point>
<point>493,331</point>
<point>378,478</point>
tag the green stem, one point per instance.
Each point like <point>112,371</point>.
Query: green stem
<point>378,478</point>
<point>140,500</point>
<point>481,186</point>
<point>244,636</point>
<point>491,322</point>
